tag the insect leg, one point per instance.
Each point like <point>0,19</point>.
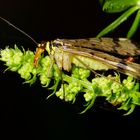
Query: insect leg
<point>58,75</point>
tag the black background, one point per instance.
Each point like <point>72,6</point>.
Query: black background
<point>25,112</point>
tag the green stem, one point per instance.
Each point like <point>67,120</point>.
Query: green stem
<point>134,26</point>
<point>118,21</point>
<point>85,84</point>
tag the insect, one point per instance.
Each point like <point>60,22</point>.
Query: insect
<point>115,6</point>
<point>110,53</point>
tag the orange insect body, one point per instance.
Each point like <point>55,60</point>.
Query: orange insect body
<point>130,59</point>
<point>40,49</point>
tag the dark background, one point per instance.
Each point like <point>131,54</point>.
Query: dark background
<point>25,112</point>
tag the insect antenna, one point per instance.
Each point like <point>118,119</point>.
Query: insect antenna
<point>18,29</point>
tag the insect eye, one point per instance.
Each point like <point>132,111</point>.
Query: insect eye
<point>56,44</point>
<point>42,45</point>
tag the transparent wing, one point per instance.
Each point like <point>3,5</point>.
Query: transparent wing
<point>106,50</point>
<point>120,46</point>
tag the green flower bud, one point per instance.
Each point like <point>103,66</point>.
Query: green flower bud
<point>25,71</point>
<point>116,87</point>
<point>44,79</point>
<point>80,73</point>
<point>60,93</point>
<point>88,96</point>
<point>69,97</point>
<point>129,82</point>
<point>12,57</point>
<point>6,54</point>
